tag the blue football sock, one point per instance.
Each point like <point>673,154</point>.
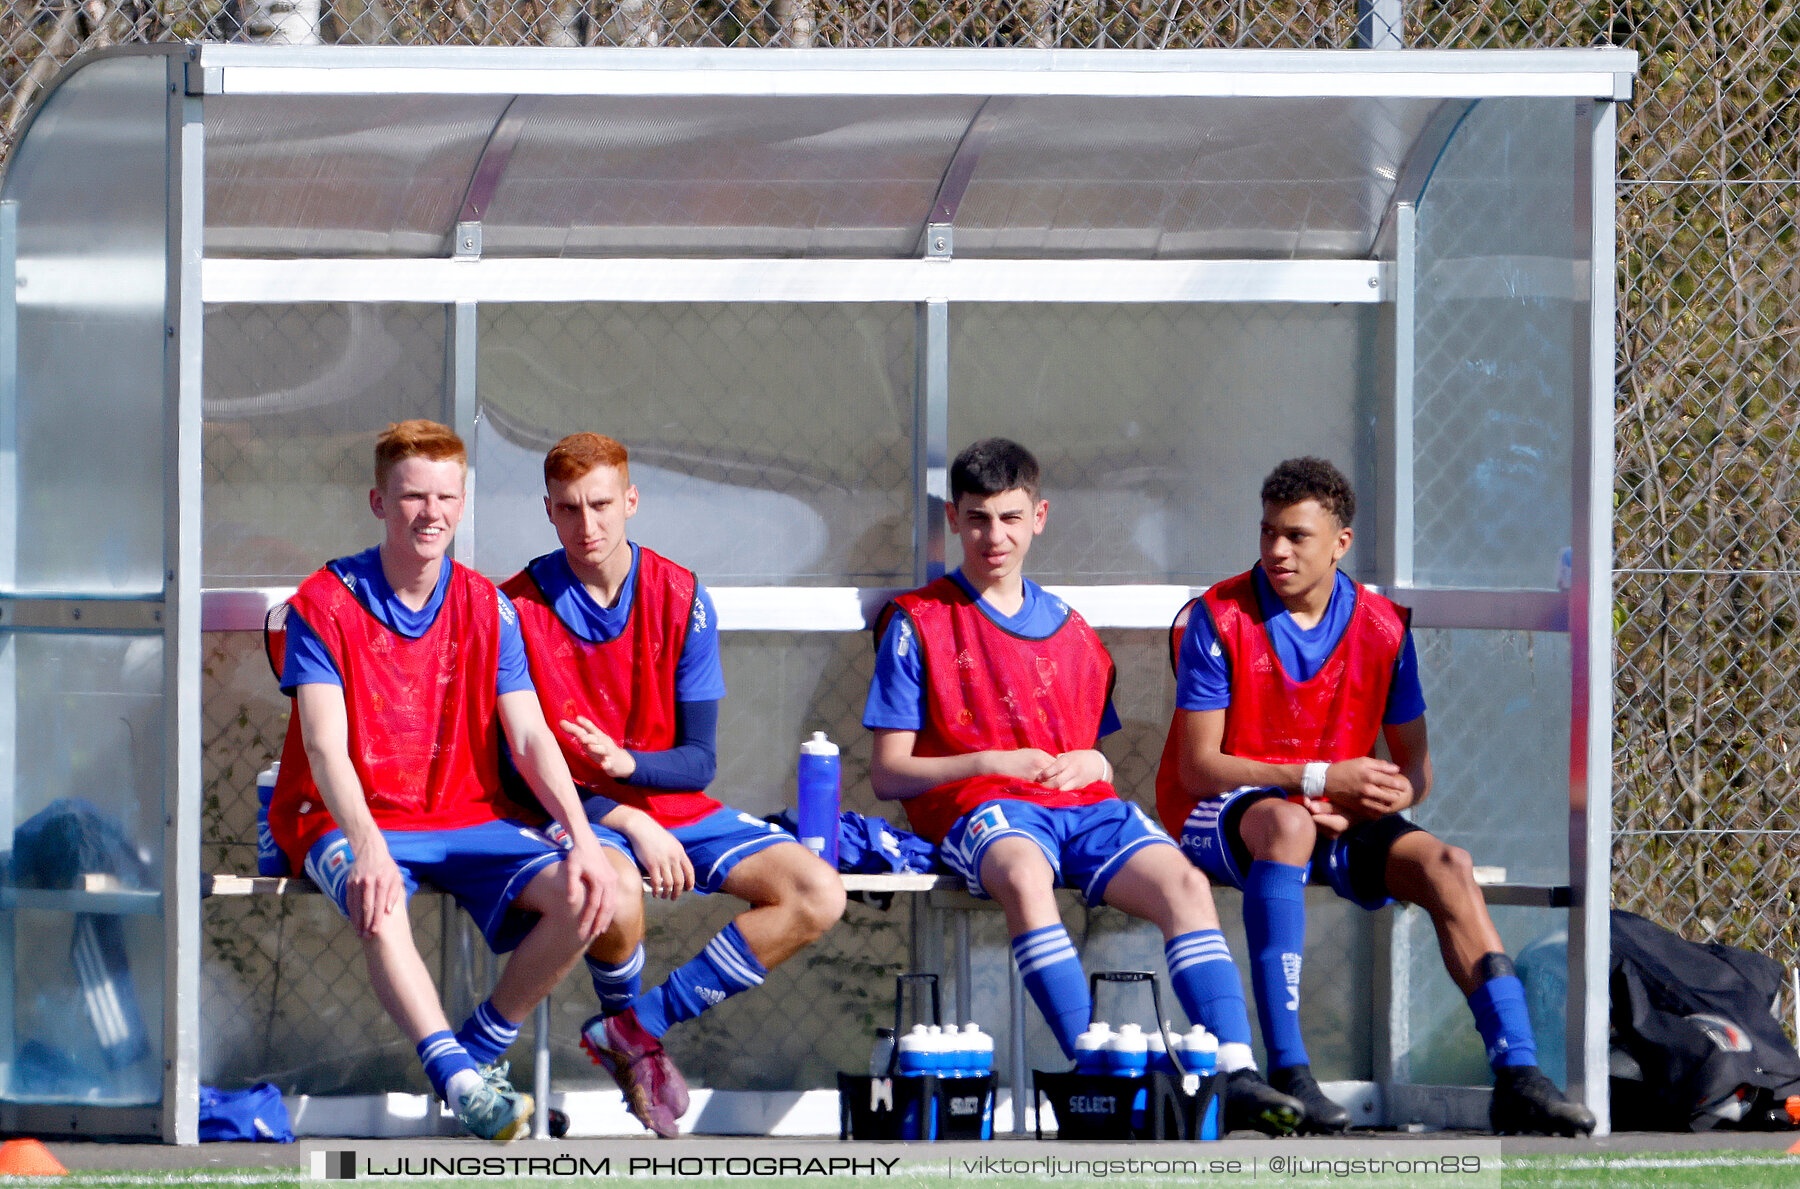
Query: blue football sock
<point>486,1034</point>
<point>1206,982</point>
<point>725,967</point>
<point>1503,1021</point>
<point>1275,927</point>
<point>443,1058</point>
<point>617,986</point>
<point>1051,971</point>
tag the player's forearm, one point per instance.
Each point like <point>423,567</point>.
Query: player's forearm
<point>1418,772</point>
<point>624,818</point>
<point>685,766</point>
<point>1213,774</point>
<point>342,791</point>
<point>540,761</point>
<point>900,778</point>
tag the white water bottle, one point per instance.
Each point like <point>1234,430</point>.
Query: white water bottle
<point>1201,1051</point>
<point>1090,1048</point>
<point>1127,1052</point>
<point>914,1053</point>
<point>270,859</point>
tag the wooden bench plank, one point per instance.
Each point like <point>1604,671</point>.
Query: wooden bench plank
<point>228,884</point>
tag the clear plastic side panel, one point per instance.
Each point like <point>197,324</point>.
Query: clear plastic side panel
<point>1155,424</point>
<point>1498,340</point>
<point>89,180</point>
<point>1444,1048</point>
<point>295,396</point>
<point>81,917</point>
<point>771,444</point>
<point>1499,713</point>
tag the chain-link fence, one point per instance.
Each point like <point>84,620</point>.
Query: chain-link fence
<point>1707,544</point>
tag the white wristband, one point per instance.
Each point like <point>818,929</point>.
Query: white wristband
<point>1108,774</point>
<point>1312,779</point>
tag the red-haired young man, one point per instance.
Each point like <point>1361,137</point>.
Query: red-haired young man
<point>405,669</point>
<point>624,648</point>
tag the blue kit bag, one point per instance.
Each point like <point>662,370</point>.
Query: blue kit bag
<point>256,1115</point>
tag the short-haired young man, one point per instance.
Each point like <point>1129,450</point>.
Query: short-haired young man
<point>624,649</point>
<point>988,702</point>
<point>1285,678</point>
<point>405,668</point>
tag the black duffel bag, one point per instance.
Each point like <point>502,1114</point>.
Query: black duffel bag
<point>1695,1043</point>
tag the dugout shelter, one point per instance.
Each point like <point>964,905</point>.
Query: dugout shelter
<point>794,282</point>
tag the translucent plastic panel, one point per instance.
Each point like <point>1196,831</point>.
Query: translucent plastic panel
<point>1499,715</point>
<point>92,225</point>
<point>770,443</point>
<point>1501,311</point>
<point>340,175</point>
<point>1275,178</point>
<point>85,991</point>
<point>1155,424</point>
<point>1443,1048</point>
<point>295,396</point>
<point>675,175</point>
<point>81,728</point>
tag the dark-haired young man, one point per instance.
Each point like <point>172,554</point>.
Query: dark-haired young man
<point>1286,676</point>
<point>988,702</point>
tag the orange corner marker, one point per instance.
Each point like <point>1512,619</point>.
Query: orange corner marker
<point>28,1158</point>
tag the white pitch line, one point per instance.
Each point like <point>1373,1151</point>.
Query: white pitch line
<point>1585,1162</point>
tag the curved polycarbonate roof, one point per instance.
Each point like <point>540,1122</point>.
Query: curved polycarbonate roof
<point>382,152</point>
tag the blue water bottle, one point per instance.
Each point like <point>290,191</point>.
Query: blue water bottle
<point>818,808</point>
<point>270,859</point>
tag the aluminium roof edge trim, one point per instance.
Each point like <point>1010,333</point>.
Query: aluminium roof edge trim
<point>1603,73</point>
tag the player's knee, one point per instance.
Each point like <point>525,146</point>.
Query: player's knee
<point>628,912</point>
<point>1448,868</point>
<point>818,899</point>
<point>392,930</point>
<point>1287,826</point>
<point>1017,882</point>
<point>1192,887</point>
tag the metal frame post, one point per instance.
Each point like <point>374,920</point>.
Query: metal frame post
<point>461,394</point>
<point>183,334</point>
<point>1397,560</point>
<point>1590,619</point>
<point>931,439</point>
<point>9,491</point>
<point>9,391</point>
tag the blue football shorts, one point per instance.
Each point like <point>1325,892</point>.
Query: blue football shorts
<point>715,844</point>
<point>484,866</point>
<point>1086,845</point>
<point>1354,864</point>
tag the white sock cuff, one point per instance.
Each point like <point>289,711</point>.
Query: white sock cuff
<point>460,1085</point>
<point>1235,1056</point>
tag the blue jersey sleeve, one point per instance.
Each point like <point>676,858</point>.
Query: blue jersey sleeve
<point>515,667</point>
<point>1202,674</point>
<point>1109,720</point>
<point>1406,698</point>
<point>693,761</point>
<point>897,688</point>
<point>698,674</point>
<point>305,659</point>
